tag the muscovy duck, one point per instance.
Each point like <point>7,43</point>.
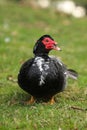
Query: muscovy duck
<point>44,76</point>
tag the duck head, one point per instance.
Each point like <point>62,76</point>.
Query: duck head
<point>44,45</point>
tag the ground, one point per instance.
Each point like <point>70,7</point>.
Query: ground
<point>20,27</point>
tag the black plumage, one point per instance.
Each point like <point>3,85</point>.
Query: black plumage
<point>44,76</point>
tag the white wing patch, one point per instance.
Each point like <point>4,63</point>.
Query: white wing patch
<point>42,80</point>
<point>43,67</point>
<point>39,61</point>
<point>65,73</point>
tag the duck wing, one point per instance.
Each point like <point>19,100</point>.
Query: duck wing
<point>67,72</point>
<point>22,76</point>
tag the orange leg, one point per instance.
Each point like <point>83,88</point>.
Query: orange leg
<point>31,101</point>
<point>52,101</point>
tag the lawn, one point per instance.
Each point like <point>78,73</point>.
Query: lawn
<point>20,27</point>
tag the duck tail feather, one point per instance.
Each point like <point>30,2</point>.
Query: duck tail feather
<point>72,74</point>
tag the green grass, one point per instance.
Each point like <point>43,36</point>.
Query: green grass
<point>23,26</point>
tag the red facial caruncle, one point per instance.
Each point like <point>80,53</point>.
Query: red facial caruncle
<point>50,44</point>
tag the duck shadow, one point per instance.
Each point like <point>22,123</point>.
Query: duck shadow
<point>15,98</point>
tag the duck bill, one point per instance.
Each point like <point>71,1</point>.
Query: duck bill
<point>55,47</point>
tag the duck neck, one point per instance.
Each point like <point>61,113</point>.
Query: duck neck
<point>42,55</point>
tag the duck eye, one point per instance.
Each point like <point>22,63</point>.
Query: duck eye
<point>47,41</point>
